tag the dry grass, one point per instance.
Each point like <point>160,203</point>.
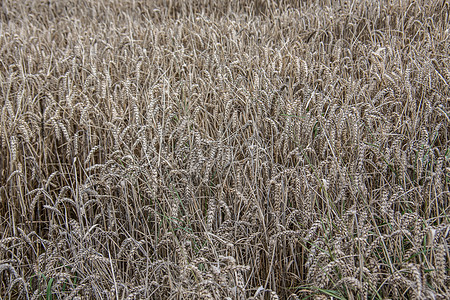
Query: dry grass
<point>207,150</point>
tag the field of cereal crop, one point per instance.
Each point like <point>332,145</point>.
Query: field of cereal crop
<point>202,149</point>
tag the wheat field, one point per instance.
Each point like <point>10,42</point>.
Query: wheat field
<point>210,150</point>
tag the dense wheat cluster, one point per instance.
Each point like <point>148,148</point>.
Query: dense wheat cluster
<point>205,150</point>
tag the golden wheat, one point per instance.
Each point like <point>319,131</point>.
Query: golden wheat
<point>200,149</point>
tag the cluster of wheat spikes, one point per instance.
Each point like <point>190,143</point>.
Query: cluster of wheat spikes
<point>204,149</point>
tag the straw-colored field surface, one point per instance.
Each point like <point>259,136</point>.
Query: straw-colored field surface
<point>198,149</point>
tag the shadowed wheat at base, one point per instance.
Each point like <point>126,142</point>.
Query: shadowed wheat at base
<point>247,150</point>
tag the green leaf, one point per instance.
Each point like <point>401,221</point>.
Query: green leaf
<point>332,293</point>
<point>49,289</point>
